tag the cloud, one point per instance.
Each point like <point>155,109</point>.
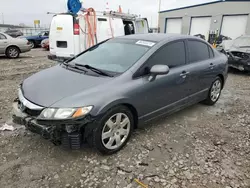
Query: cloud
<point>26,11</point>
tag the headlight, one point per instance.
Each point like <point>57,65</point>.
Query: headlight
<point>64,113</point>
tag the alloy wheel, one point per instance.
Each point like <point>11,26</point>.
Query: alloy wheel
<point>215,90</point>
<point>115,131</point>
<point>13,52</point>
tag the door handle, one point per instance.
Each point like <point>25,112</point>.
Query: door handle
<point>184,74</point>
<point>4,42</point>
<point>211,66</point>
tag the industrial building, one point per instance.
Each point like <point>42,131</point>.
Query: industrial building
<point>226,17</point>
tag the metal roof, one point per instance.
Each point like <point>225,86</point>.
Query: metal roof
<point>208,3</point>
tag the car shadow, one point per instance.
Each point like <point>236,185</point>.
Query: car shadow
<point>238,72</point>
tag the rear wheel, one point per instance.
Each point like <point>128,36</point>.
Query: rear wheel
<point>13,52</point>
<point>114,130</point>
<point>32,44</point>
<point>214,92</point>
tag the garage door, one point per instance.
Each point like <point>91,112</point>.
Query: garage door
<point>200,26</point>
<point>234,26</point>
<point>173,25</point>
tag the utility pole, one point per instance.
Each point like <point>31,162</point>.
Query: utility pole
<point>2,18</point>
<point>159,16</point>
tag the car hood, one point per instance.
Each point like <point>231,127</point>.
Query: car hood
<point>56,83</point>
<point>238,49</point>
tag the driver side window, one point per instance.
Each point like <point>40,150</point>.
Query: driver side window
<point>172,54</point>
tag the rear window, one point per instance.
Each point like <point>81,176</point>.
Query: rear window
<point>198,51</point>
<point>61,44</point>
<point>114,55</point>
<point>2,37</point>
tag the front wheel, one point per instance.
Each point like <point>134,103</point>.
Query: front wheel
<point>114,130</point>
<point>214,92</point>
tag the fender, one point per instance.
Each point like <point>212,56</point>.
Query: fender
<point>108,105</point>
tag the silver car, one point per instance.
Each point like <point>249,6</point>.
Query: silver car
<point>12,47</point>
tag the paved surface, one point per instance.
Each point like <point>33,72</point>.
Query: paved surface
<point>198,147</point>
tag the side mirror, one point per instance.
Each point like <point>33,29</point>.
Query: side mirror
<point>39,35</point>
<point>158,70</point>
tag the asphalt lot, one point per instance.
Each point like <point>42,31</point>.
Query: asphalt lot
<point>198,147</point>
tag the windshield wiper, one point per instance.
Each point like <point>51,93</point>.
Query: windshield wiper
<point>98,71</point>
<point>73,66</point>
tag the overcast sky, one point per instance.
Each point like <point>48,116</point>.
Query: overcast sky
<point>25,11</point>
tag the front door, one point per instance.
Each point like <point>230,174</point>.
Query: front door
<point>167,92</point>
<point>3,43</point>
<point>141,26</point>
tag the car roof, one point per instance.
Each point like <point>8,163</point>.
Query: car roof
<point>157,37</point>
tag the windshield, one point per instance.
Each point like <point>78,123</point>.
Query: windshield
<point>38,33</point>
<point>242,42</point>
<point>114,56</point>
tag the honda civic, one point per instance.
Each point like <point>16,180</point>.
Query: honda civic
<point>104,93</point>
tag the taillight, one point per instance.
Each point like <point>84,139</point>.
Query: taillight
<point>76,29</point>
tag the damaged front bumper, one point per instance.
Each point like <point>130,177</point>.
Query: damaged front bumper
<point>70,133</point>
<point>239,60</point>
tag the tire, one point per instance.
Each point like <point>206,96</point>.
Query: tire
<point>111,144</point>
<point>214,92</point>
<point>12,52</point>
<point>32,44</point>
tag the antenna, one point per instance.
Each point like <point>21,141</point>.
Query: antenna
<point>74,6</point>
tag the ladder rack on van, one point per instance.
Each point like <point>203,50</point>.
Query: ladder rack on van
<point>114,14</point>
<point>120,15</point>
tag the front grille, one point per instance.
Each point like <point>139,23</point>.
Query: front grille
<point>32,112</point>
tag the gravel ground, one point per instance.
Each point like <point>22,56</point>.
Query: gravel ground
<point>198,147</point>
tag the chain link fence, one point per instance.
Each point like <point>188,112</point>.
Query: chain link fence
<point>26,31</point>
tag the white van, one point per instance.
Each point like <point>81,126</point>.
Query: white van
<point>68,35</point>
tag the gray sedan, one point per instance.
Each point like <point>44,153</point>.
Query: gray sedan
<point>12,47</point>
<point>112,88</point>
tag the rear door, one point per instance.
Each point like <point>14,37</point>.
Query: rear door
<point>61,37</point>
<point>141,26</point>
<point>201,66</point>
<point>3,43</point>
